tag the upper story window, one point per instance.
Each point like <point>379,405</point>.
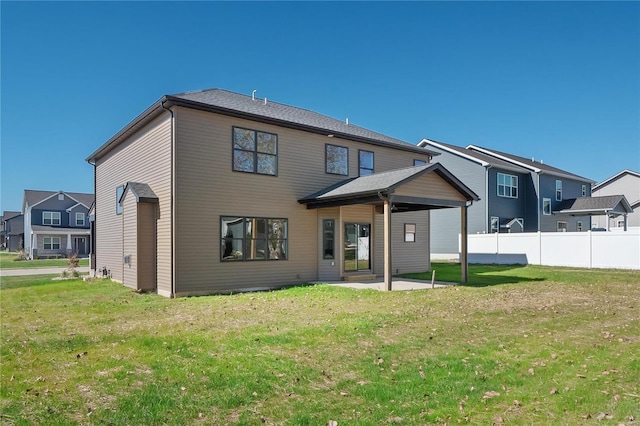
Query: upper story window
<point>584,190</point>
<point>365,159</point>
<point>255,152</point>
<point>79,219</point>
<point>507,185</point>
<point>558,190</point>
<point>546,206</point>
<point>337,159</point>
<point>51,218</point>
<point>419,162</point>
<point>119,191</point>
<point>253,238</point>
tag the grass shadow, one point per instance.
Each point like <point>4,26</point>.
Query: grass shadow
<point>24,281</point>
<point>479,275</point>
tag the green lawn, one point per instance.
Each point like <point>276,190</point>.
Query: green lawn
<point>8,261</point>
<point>521,345</point>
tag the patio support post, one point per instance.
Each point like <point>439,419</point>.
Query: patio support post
<point>625,222</point>
<point>387,246</point>
<point>464,255</point>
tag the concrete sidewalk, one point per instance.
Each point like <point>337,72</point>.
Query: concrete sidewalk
<point>39,271</point>
<point>397,284</point>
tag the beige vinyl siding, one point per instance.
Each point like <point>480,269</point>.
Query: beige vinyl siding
<point>406,256</point>
<point>430,186</point>
<point>130,241</point>
<point>144,157</point>
<point>146,243</point>
<point>207,188</point>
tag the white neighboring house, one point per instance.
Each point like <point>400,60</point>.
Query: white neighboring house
<point>625,183</point>
<point>56,223</point>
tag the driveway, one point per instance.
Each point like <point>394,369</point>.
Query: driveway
<point>39,271</point>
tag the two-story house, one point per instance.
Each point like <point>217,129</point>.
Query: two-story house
<point>216,192</point>
<point>55,223</point>
<point>516,195</point>
<point>626,183</point>
<point>12,230</point>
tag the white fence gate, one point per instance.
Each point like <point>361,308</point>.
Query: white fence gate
<point>589,249</point>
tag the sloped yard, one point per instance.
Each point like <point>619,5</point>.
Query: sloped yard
<point>520,345</point>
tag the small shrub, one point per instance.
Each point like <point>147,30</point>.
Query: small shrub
<point>21,255</point>
<point>73,261</point>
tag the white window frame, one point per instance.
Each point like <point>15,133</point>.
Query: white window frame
<point>81,216</point>
<point>584,190</point>
<point>558,190</point>
<point>52,242</point>
<point>494,220</point>
<point>579,225</point>
<point>410,230</point>
<point>546,202</point>
<point>119,192</point>
<point>52,218</point>
<point>560,228</point>
<point>507,188</point>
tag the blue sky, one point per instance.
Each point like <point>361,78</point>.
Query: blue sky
<point>555,81</point>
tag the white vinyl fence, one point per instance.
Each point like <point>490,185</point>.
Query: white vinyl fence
<point>619,250</point>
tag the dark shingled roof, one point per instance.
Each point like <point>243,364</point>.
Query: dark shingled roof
<point>374,183</point>
<point>32,197</point>
<point>9,214</point>
<point>242,106</point>
<point>142,192</point>
<point>285,114</point>
<point>527,162</point>
<point>479,156</point>
<point>599,205</point>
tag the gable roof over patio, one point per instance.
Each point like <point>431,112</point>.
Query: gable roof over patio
<point>426,187</point>
<point>605,205</point>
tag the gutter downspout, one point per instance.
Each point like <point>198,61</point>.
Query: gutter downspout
<point>486,202</point>
<point>173,266</point>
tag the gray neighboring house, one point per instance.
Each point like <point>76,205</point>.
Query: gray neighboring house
<point>516,195</point>
<point>12,232</point>
<point>56,223</point>
<point>625,183</point>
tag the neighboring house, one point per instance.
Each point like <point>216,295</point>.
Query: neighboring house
<point>516,195</point>
<point>217,192</point>
<point>12,233</point>
<point>56,223</point>
<point>625,183</point>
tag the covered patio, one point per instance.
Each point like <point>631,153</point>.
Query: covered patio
<point>610,206</point>
<point>426,187</point>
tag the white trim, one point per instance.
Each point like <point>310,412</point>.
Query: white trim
<point>83,218</point>
<point>55,194</point>
<point>425,142</point>
<point>502,157</point>
<point>614,177</point>
<point>505,185</point>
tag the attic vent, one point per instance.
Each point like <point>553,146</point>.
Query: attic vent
<point>60,197</point>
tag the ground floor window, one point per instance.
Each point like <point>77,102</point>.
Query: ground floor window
<point>579,226</point>
<point>253,238</point>
<point>409,232</point>
<point>328,238</point>
<point>562,226</point>
<point>52,243</point>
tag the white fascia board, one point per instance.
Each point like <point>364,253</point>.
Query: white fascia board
<point>614,177</point>
<point>425,142</point>
<point>503,158</point>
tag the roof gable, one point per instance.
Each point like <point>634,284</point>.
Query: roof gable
<point>142,192</point>
<point>35,197</point>
<point>596,205</point>
<point>530,164</point>
<point>615,177</point>
<point>475,156</point>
